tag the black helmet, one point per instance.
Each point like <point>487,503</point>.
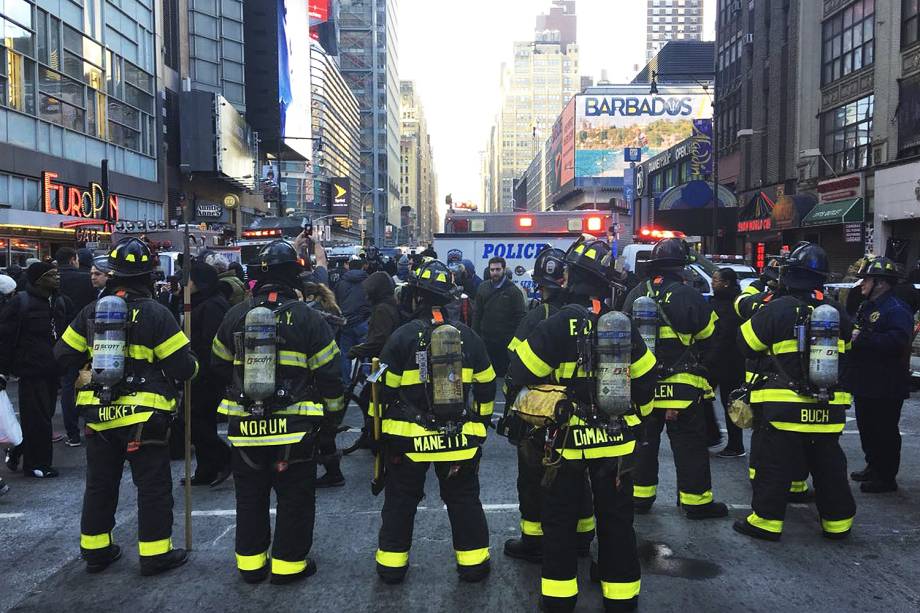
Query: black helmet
<point>670,252</point>
<point>771,270</point>
<point>432,277</point>
<point>806,267</point>
<point>277,253</point>
<point>131,257</point>
<point>589,262</point>
<point>879,267</point>
<point>549,269</point>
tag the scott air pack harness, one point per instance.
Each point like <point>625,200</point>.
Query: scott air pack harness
<point>688,361</point>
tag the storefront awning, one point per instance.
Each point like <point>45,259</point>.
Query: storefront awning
<point>837,212</point>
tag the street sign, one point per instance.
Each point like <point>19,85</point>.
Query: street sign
<point>632,154</point>
<point>853,232</point>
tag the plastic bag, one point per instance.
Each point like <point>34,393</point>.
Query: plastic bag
<point>9,425</point>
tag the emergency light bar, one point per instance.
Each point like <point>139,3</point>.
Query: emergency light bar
<point>262,233</point>
<point>525,221</point>
<point>648,234</point>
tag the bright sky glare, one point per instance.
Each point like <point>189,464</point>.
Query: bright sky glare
<point>454,51</point>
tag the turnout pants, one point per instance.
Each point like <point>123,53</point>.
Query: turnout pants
<point>106,452</point>
<point>799,483</point>
<point>618,560</point>
<point>691,457</point>
<point>530,494</point>
<point>37,397</point>
<point>877,419</point>
<point>459,483</point>
<point>255,475</point>
<point>780,456</point>
<point>211,452</point>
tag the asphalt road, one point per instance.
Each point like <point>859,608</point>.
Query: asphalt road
<point>689,566</point>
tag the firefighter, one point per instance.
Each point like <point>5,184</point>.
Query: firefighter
<point>585,438</point>
<point>768,280</point>
<point>801,411</point>
<point>283,371</point>
<point>549,278</point>
<point>436,402</point>
<point>137,353</point>
<point>682,326</point>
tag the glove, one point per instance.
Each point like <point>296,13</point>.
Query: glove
<point>2,382</point>
<point>353,353</point>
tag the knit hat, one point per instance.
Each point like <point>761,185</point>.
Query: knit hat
<point>204,276</point>
<point>84,257</point>
<point>7,285</point>
<point>36,270</point>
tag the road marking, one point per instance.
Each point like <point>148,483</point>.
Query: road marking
<point>11,515</point>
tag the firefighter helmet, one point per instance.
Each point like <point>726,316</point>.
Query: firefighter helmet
<point>670,252</point>
<point>432,277</point>
<point>879,267</point>
<point>131,257</point>
<point>549,269</point>
<point>589,261</point>
<point>806,267</point>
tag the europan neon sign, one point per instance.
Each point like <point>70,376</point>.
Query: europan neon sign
<point>76,202</point>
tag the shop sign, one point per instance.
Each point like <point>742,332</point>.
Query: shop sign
<point>783,214</point>
<point>853,232</point>
<point>60,199</point>
<point>840,188</point>
<point>755,225</point>
<point>208,210</point>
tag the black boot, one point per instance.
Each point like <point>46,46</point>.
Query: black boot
<point>876,486</point>
<point>474,574</point>
<point>309,571</point>
<point>390,575</point>
<point>255,576</point>
<point>365,441</point>
<point>528,548</point>
<point>154,565</point>
<point>99,564</point>
<point>643,505</point>
<point>615,606</point>
<point>332,478</point>
<point>222,475</point>
<point>743,527</point>
<point>865,474</point>
<point>711,510</point>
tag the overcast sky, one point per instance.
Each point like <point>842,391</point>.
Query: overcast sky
<point>453,50</point>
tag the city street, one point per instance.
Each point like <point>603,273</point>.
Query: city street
<point>689,566</point>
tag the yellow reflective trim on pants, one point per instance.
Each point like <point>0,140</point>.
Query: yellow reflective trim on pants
<point>148,400</point>
<point>706,332</point>
<point>567,588</point>
<point>95,541</point>
<point>643,365</point>
<point>645,491</point>
<point>410,429</point>
<point>808,428</point>
<point>254,562</point>
<point>695,500</point>
<point>154,548</point>
<point>770,525</point>
<point>531,528</point>
<point>282,567</point>
<point>392,559</point>
<point>747,332</point>
<point>531,361</point>
<point>798,487</point>
<point>585,524</point>
<point>121,422</point>
<point>292,358</point>
<point>486,408</point>
<point>74,340</point>
<point>837,526</point>
<point>171,345</point>
<point>444,456</point>
<point>621,591</point>
<point>787,346</point>
<point>472,557</point>
<point>484,376</point>
<point>220,350</point>
<point>266,441</point>
<point>323,356</point>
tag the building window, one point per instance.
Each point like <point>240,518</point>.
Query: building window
<point>910,22</point>
<point>846,134</point>
<point>849,41</point>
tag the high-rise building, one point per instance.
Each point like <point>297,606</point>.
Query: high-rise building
<point>368,60</point>
<point>560,24</point>
<point>672,20</point>
<point>418,180</point>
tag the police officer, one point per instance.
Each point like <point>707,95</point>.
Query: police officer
<point>877,374</point>
<point>798,423</point>
<point>586,439</point>
<point>427,418</point>
<point>549,278</point>
<point>130,419</point>
<point>273,437</point>
<point>685,323</point>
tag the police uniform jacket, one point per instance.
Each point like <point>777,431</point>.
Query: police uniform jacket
<point>307,372</point>
<point>157,354</point>
<point>549,354</point>
<point>407,424</point>
<point>878,365</point>
<point>770,333</point>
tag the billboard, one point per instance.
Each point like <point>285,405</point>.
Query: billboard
<point>606,124</point>
<point>318,10</point>
<point>562,150</point>
<point>341,195</point>
<point>294,92</point>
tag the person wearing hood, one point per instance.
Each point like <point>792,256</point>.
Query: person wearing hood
<point>229,284</point>
<point>351,297</point>
<point>472,281</point>
<point>402,270</point>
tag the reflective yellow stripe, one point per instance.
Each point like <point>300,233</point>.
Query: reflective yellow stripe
<point>305,408</point>
<point>140,353</point>
<point>531,361</point>
<point>750,377</point>
<point>486,408</point>
<point>74,340</point>
<point>567,370</point>
<point>709,329</point>
<point>646,409</point>
<point>788,346</point>
<point>171,345</point>
<point>585,524</point>
<point>292,358</point>
<point>472,557</point>
<point>688,379</point>
<point>752,472</point>
<point>268,440</point>
<point>808,428</point>
<point>334,405</point>
<point>750,290</point>
<point>392,380</point>
<point>392,559</point>
<point>251,562</point>
<point>632,419</point>
<point>838,526</point>
<point>747,332</point>
<point>444,456</point>
<point>789,396</point>
<point>144,399</point>
<point>643,365</point>
<point>228,407</point>
<point>620,591</point>
<point>323,356</point>
<point>281,567</point>
<point>531,528</point>
<point>594,453</point>
<point>514,343</point>
<point>220,350</point>
<point>672,404</point>
<point>842,346</point>
<point>121,422</point>
<point>410,429</point>
<point>798,487</point>
<point>154,548</point>
<point>567,588</point>
<point>483,376</point>
<point>667,332</point>
<point>95,541</point>
<point>770,525</point>
<point>695,500</point>
<point>645,491</point>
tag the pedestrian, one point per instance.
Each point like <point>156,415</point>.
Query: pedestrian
<point>352,299</point>
<point>497,311</point>
<point>129,420</point>
<point>878,374</point>
<point>402,269</point>
<point>229,284</point>
<point>723,359</point>
<point>30,325</point>
<point>471,281</point>
<point>273,430</point>
<point>421,426</point>
<point>797,425</point>
<point>584,439</point>
<point>84,259</point>
<point>685,325</point>
<point>7,291</point>
<point>99,274</point>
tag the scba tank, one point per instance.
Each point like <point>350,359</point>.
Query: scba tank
<point>614,353</point>
<point>824,351</point>
<point>260,341</point>
<point>109,337</point>
<point>447,372</point>
<point>645,314</point>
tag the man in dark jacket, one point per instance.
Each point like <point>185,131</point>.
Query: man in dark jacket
<point>497,311</point>
<point>352,299</point>
<point>877,374</point>
<point>30,325</point>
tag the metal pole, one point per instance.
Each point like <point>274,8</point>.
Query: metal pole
<point>713,141</point>
<point>187,396</point>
